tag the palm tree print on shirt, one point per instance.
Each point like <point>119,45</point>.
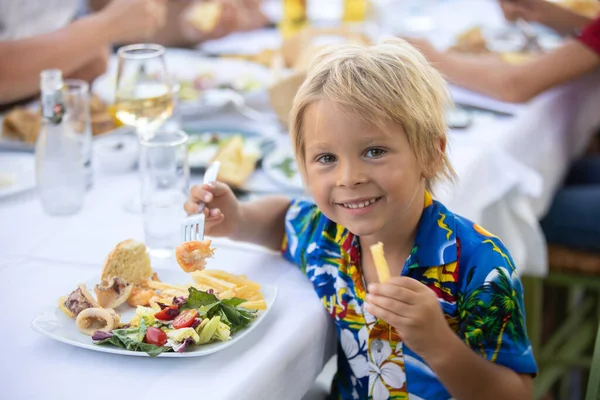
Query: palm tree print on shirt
<point>491,312</point>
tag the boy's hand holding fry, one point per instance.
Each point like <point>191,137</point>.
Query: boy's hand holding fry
<point>410,307</point>
<point>414,311</point>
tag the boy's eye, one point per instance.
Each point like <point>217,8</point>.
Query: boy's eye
<point>375,153</point>
<point>326,159</point>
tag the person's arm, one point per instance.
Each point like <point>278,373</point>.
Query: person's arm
<point>171,34</point>
<point>74,48</point>
<point>552,15</point>
<point>94,68</point>
<point>560,19</point>
<point>492,343</point>
<point>67,49</point>
<point>413,309</point>
<point>236,15</point>
<point>262,221</point>
<point>513,83</point>
<point>488,355</point>
<point>467,376</point>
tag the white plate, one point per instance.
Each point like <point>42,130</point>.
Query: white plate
<point>185,65</point>
<point>54,324</point>
<point>273,166</point>
<point>18,168</point>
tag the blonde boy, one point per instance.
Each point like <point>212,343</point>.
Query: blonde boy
<point>369,135</point>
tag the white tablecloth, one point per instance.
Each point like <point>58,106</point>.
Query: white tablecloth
<point>280,359</point>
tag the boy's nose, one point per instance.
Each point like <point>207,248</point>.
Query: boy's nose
<point>350,174</point>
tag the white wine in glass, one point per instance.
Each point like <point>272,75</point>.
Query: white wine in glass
<point>146,107</point>
<point>144,97</point>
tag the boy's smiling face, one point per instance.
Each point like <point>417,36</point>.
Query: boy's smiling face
<point>362,177</point>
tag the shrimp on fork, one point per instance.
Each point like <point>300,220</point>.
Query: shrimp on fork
<point>191,256</point>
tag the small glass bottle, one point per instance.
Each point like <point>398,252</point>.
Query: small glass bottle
<point>59,166</point>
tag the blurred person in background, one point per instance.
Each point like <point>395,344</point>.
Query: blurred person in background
<point>575,212</point>
<point>41,34</point>
<point>220,18</point>
<point>521,82</point>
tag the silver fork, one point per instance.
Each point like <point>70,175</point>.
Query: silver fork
<point>192,227</point>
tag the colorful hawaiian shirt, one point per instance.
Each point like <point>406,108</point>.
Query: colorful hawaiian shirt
<point>468,268</point>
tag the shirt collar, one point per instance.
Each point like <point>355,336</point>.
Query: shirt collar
<point>435,243</point>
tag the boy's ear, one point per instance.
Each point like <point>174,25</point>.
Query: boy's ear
<point>436,162</point>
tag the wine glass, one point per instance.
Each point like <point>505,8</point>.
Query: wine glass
<point>144,95</point>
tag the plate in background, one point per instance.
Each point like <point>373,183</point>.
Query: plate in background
<point>249,79</point>
<point>280,166</point>
<point>204,143</point>
<point>17,173</point>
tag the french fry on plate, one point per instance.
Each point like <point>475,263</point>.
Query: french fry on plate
<point>217,284</point>
<point>254,305</point>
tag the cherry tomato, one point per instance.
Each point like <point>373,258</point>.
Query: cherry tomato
<point>155,336</point>
<point>167,314</point>
<point>185,319</point>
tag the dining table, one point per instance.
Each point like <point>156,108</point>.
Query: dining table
<point>509,161</point>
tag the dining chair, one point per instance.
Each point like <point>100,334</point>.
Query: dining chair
<point>568,345</point>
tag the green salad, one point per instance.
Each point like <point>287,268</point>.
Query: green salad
<point>198,319</point>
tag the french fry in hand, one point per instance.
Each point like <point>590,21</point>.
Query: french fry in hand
<point>383,271</point>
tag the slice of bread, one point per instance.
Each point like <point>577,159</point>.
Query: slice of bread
<point>205,16</point>
<point>236,164</point>
<point>22,124</point>
<point>128,261</point>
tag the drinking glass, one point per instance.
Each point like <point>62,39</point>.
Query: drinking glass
<point>77,101</point>
<point>143,98</point>
<point>165,177</point>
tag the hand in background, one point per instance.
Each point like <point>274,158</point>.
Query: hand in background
<point>520,9</point>
<point>134,20</point>
<point>202,23</point>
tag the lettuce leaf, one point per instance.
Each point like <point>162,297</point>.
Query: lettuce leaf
<point>133,339</point>
<point>209,306</point>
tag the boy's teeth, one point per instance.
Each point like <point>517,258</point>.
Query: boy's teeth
<point>359,205</point>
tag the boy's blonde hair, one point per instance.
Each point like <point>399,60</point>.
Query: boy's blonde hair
<point>391,81</point>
